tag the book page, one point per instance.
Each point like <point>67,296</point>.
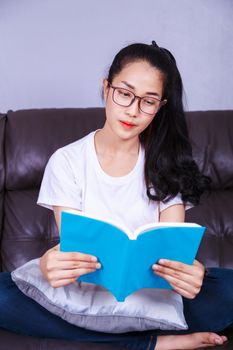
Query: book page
<point>147,227</point>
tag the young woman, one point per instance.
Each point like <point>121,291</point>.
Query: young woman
<point>143,159</point>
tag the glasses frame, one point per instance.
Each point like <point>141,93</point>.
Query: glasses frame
<point>162,102</point>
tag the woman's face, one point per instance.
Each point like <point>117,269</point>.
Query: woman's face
<point>143,80</point>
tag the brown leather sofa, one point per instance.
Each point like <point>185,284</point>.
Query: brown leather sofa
<point>29,137</point>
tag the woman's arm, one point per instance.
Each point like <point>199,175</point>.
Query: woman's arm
<point>57,213</point>
<point>185,279</point>
<point>175,213</point>
<point>62,268</point>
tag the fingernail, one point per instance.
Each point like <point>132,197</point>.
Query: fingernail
<point>93,258</point>
<point>162,261</point>
<point>98,266</point>
<point>218,341</point>
<point>155,267</point>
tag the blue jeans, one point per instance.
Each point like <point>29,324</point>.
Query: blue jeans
<point>211,310</point>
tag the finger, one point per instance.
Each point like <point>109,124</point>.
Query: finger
<point>179,284</point>
<point>197,269</point>
<point>184,293</point>
<point>75,256</point>
<point>176,265</point>
<point>196,282</point>
<point>181,266</point>
<point>56,247</point>
<point>70,264</point>
<point>62,283</point>
<point>68,274</point>
<point>168,271</point>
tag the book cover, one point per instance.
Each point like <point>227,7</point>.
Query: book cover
<point>127,257</point>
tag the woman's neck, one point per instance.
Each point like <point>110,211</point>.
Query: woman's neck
<point>108,142</point>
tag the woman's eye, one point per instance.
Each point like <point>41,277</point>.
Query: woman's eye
<point>150,102</point>
<point>123,93</point>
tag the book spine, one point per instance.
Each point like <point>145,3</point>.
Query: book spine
<point>126,286</point>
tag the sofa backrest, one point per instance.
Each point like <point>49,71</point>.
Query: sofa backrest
<point>211,134</point>
<point>31,136</point>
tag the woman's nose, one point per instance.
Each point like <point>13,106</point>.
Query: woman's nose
<point>133,110</point>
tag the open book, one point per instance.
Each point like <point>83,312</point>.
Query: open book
<point>127,257</point>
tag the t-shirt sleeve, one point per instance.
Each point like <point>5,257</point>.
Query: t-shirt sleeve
<point>59,186</point>
<point>176,200</point>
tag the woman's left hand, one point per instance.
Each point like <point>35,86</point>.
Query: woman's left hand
<point>185,279</point>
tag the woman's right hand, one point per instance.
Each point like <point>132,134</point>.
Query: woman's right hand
<point>62,268</point>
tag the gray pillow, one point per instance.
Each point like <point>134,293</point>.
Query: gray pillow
<point>90,306</point>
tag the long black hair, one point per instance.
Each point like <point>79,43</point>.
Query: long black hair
<point>169,165</point>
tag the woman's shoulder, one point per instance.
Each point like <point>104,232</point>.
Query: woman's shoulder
<point>75,148</point>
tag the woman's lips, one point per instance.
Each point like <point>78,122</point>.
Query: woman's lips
<point>127,125</point>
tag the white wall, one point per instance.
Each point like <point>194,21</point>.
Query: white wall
<point>54,53</point>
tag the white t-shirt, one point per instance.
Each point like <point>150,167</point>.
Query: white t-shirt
<point>73,178</point>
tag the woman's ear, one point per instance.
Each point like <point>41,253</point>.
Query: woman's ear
<point>105,89</point>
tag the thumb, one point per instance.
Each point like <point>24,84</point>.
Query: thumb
<point>56,247</point>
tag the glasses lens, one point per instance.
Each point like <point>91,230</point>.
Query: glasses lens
<point>123,97</point>
<point>149,105</point>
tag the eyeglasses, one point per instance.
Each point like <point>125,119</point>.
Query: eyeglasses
<point>125,98</point>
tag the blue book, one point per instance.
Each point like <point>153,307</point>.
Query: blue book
<point>127,257</point>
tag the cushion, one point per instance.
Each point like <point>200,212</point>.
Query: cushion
<point>93,307</point>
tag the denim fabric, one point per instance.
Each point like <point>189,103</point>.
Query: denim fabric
<point>211,310</point>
